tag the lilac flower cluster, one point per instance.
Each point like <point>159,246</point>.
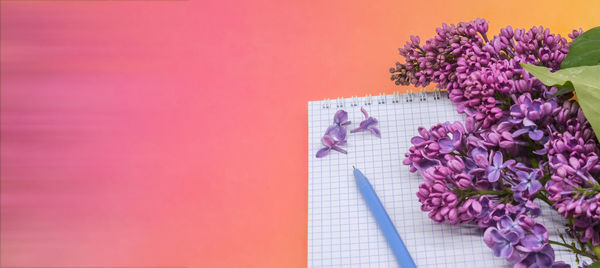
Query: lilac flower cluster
<point>573,161</point>
<point>523,242</point>
<point>478,73</point>
<point>461,167</point>
<point>518,143</point>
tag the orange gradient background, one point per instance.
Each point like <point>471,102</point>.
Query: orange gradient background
<point>174,133</point>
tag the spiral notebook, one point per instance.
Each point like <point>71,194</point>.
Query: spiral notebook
<point>341,230</point>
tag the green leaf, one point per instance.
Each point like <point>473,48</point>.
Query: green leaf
<point>594,265</point>
<point>586,82</point>
<point>562,91</point>
<point>560,78</point>
<point>588,95</point>
<point>584,51</point>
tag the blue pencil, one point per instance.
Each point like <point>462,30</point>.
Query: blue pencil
<point>383,221</point>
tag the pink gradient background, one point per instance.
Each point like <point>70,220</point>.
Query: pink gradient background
<point>175,133</point>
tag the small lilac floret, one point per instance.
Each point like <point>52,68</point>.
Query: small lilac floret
<point>542,258</point>
<point>502,244</point>
<point>494,171</point>
<point>368,124</point>
<point>341,118</point>
<point>529,181</point>
<point>330,144</point>
<point>536,240</point>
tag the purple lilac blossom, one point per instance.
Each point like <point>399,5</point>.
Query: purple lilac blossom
<point>502,244</point>
<point>590,229</point>
<point>368,124</point>
<point>542,258</point>
<point>535,241</point>
<point>549,147</point>
<point>335,135</point>
<point>506,224</point>
<point>529,181</point>
<point>493,171</point>
<point>341,118</point>
<point>474,69</point>
<point>330,144</point>
<point>522,242</point>
<point>573,159</point>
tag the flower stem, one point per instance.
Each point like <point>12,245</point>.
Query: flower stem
<point>534,162</point>
<point>597,251</point>
<point>484,192</point>
<point>468,194</point>
<point>457,153</point>
<point>544,198</point>
<point>575,250</point>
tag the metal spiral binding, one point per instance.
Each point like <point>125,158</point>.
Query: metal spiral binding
<point>325,104</point>
<point>339,103</point>
<point>381,99</point>
<point>396,97</point>
<point>369,100</point>
<point>437,94</point>
<point>354,101</point>
<point>420,95</point>
<point>409,96</point>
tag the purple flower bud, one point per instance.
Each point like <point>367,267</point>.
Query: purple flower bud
<point>575,33</point>
<point>456,164</point>
<point>464,182</point>
<point>423,192</point>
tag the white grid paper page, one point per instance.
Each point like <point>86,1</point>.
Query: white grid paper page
<point>341,230</point>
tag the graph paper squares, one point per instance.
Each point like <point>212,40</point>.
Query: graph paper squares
<point>341,231</point>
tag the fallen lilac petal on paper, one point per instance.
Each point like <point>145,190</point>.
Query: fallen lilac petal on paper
<point>368,124</point>
<point>341,118</point>
<point>335,135</point>
<point>338,133</point>
<point>330,144</point>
